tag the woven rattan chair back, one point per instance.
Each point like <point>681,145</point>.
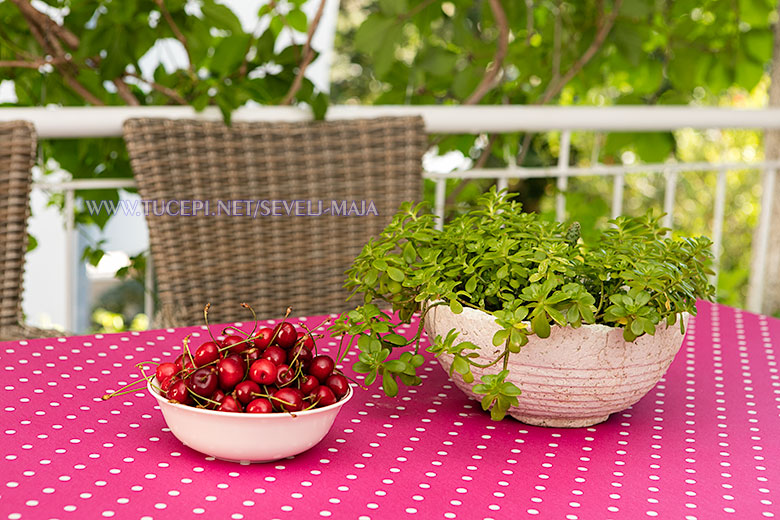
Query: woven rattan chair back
<point>17,156</point>
<point>266,260</point>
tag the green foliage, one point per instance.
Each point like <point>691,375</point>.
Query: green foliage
<point>530,273</point>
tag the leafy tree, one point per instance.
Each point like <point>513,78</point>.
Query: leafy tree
<point>591,52</point>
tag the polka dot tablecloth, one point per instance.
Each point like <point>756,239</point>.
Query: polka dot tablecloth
<point>701,445</point>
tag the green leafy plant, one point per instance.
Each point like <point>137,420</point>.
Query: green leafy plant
<point>531,274</point>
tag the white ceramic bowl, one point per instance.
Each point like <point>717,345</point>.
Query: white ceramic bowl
<point>240,437</point>
<point>574,378</point>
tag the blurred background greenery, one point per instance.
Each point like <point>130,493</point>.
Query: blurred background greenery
<point>533,52</point>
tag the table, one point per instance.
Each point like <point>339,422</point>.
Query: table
<point>701,444</point>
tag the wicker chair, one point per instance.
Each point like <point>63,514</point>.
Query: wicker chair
<point>270,262</point>
<point>17,155</point>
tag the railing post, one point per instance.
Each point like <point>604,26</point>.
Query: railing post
<point>617,194</point>
<point>149,289</point>
<point>563,180</point>
<point>70,247</point>
<point>669,194</point>
<point>755,297</point>
<point>440,201</point>
<point>717,224</point>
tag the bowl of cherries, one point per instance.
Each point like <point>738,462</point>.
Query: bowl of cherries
<point>254,396</point>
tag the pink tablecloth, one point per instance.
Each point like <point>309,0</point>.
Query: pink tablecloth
<point>703,444</point>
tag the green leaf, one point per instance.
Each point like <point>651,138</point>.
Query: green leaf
<point>297,20</point>
<point>417,360</point>
<point>540,325</point>
<point>456,307</point>
<point>395,365</point>
<point>395,339</point>
<point>410,254</point>
<point>395,274</point>
<point>229,54</point>
<point>499,338</point>
<point>758,44</point>
<point>471,284</point>
<point>361,367</point>
<point>460,365</point>
<point>370,35</point>
<point>221,16</point>
<point>393,7</point>
<point>389,384</point>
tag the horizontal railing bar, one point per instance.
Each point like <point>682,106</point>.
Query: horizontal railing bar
<point>603,170</point>
<point>478,173</point>
<point>84,184</point>
<point>75,122</point>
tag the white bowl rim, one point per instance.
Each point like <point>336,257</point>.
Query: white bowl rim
<point>598,327</point>
<point>259,416</point>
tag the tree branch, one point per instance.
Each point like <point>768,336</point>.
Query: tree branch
<point>47,24</point>
<point>416,9</point>
<point>493,69</point>
<point>125,93</point>
<point>24,64</point>
<point>308,56</point>
<point>555,86</point>
<point>176,32</point>
<point>175,96</point>
<point>53,47</point>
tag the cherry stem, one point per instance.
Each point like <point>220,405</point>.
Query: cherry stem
<point>254,327</point>
<point>206,319</point>
<point>315,403</point>
<point>233,329</point>
<point>277,330</point>
<point>186,342</point>
<point>127,389</point>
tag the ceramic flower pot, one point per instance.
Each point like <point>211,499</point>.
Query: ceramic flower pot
<point>574,378</point>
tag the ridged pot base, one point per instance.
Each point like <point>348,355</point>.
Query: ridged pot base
<point>559,422</point>
<point>574,378</point>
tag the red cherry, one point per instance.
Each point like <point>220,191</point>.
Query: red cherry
<point>259,405</point>
<point>230,404</point>
<point>244,391</point>
<point>285,334</point>
<point>338,384</point>
<point>309,384</point>
<point>184,363</point>
<point>251,355</point>
<point>178,392</point>
<point>263,371</point>
<point>263,337</point>
<point>288,399</point>
<point>206,353</point>
<point>300,353</point>
<point>166,371</point>
<point>307,342</point>
<point>275,354</point>
<point>218,396</point>
<point>235,343</point>
<point>284,375</point>
<point>321,367</point>
<point>231,372</point>
<point>324,396</point>
<point>203,382</point>
<point>166,383</point>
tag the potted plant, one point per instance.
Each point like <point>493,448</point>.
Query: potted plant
<point>557,331</point>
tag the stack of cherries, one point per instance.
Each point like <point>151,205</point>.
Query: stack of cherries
<point>271,370</point>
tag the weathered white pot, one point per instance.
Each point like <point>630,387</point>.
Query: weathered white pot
<point>574,378</point>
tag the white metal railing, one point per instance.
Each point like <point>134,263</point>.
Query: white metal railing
<point>75,122</point>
